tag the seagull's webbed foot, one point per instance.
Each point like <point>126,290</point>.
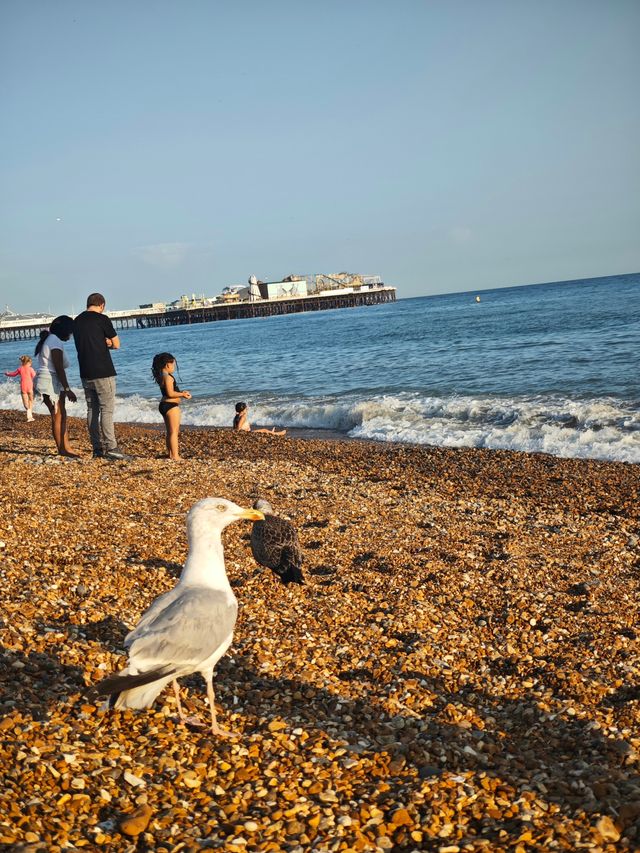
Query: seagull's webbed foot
<point>216,731</point>
<point>192,722</point>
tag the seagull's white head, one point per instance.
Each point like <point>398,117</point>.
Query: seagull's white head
<point>215,514</point>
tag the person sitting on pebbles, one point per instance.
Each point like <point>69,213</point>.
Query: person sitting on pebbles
<point>241,422</point>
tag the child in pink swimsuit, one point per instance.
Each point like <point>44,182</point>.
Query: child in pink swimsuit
<point>26,373</point>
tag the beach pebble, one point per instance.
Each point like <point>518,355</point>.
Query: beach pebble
<point>133,780</point>
<point>608,829</point>
<point>135,823</point>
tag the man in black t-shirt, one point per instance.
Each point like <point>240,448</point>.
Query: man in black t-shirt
<point>95,337</point>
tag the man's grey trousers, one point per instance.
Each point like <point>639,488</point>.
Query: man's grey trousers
<point>101,400</point>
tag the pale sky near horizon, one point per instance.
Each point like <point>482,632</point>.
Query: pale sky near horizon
<point>151,149</point>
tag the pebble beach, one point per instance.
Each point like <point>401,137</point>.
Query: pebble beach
<point>459,673</point>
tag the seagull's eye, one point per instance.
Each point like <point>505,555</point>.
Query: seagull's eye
<point>221,508</point>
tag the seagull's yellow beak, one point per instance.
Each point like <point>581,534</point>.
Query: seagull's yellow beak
<point>252,514</point>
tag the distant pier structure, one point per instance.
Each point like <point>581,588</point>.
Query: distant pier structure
<point>289,296</point>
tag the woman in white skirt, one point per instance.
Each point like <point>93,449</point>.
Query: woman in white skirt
<point>51,379</point>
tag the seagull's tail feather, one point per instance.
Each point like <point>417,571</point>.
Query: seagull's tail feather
<point>141,697</point>
<point>290,567</point>
<point>132,691</point>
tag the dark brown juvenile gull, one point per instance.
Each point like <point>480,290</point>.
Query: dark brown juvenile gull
<point>189,628</point>
<point>274,543</point>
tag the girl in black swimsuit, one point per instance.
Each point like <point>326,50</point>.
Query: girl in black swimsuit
<point>162,368</point>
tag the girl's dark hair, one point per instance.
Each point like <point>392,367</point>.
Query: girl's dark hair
<point>160,361</point>
<point>62,326</point>
<point>240,407</point>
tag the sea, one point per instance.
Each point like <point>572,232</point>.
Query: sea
<point>545,368</point>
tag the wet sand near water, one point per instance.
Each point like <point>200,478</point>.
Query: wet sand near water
<point>294,432</point>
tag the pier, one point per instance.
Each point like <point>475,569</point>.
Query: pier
<point>145,318</point>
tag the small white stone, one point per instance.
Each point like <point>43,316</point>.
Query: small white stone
<point>133,780</point>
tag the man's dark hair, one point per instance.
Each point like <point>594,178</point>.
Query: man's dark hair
<point>240,407</point>
<point>96,299</point>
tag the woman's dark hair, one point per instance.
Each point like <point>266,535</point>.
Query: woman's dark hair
<point>160,361</point>
<point>44,334</point>
<point>240,407</point>
<point>62,326</point>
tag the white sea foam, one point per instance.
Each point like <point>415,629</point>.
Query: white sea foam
<point>594,429</point>
<point>603,428</point>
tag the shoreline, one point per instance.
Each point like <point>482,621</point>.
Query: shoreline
<point>318,434</point>
<point>460,670</point>
<point>292,432</point>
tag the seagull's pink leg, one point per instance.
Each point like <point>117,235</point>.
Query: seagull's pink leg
<point>188,721</point>
<point>215,728</point>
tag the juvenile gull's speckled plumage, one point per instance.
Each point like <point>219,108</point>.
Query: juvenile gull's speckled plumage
<point>274,543</point>
<point>189,628</point>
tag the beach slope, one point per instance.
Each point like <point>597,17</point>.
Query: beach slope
<point>460,672</point>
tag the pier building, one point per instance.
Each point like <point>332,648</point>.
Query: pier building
<point>264,299</point>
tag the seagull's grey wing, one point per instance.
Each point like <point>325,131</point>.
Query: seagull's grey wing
<point>185,633</point>
<point>150,613</point>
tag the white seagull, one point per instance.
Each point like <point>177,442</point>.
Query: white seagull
<point>189,628</point>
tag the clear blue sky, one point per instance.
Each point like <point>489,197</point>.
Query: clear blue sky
<point>154,148</point>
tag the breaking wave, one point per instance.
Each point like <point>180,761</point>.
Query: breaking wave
<point>604,428</point>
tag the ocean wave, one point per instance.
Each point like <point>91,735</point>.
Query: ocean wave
<point>133,409</point>
<point>604,428</point>
<point>591,429</point>
<point>594,429</point>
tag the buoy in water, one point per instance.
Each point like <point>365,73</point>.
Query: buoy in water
<point>477,299</point>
